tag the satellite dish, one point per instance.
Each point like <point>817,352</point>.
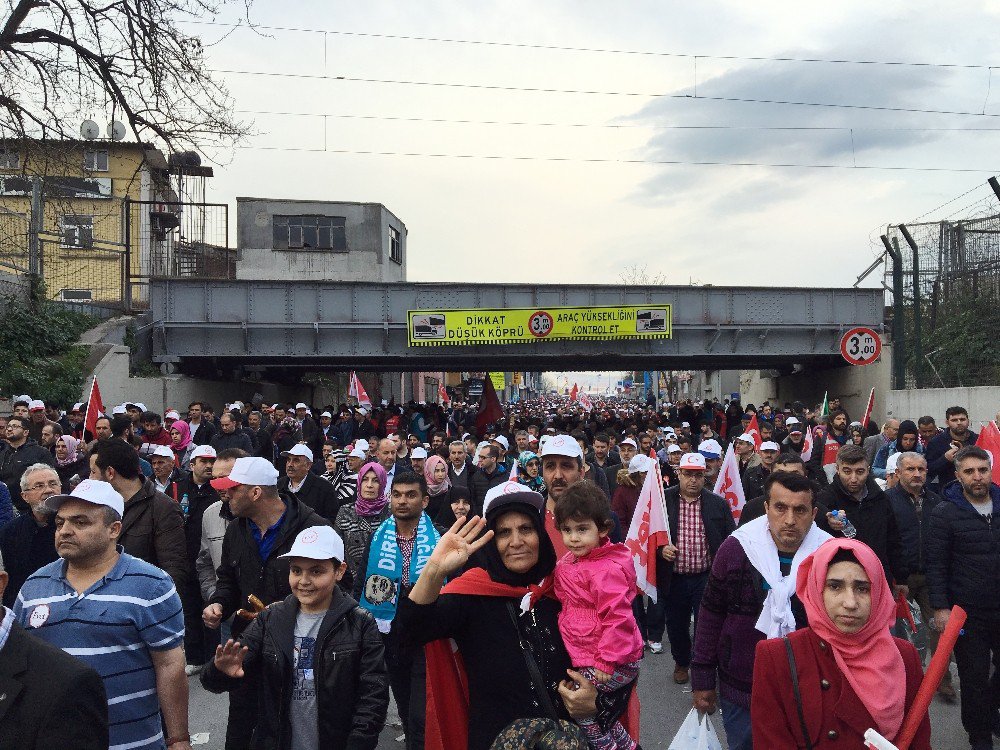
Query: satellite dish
<point>117,130</point>
<point>90,130</point>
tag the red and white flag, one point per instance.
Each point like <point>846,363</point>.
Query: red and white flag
<point>95,410</point>
<point>442,394</point>
<point>357,391</point>
<point>585,402</point>
<point>754,429</point>
<point>730,484</point>
<point>989,441</point>
<point>868,410</point>
<point>648,531</point>
<point>807,443</point>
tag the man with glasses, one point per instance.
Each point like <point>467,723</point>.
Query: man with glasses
<point>18,454</point>
<point>28,542</point>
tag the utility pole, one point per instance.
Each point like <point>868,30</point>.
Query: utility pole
<point>36,223</point>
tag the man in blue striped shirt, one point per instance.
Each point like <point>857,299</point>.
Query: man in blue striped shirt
<point>117,613</point>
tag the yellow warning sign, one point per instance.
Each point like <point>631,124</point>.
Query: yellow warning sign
<point>534,324</point>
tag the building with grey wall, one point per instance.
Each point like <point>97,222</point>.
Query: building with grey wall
<point>319,240</point>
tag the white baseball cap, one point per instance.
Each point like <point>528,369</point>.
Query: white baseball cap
<point>629,441</point>
<point>326,414</point>
<point>746,437</point>
<point>204,451</point>
<point>120,409</point>
<point>249,470</point>
<point>770,445</point>
<point>674,448</point>
<point>93,491</point>
<point>639,464</point>
<point>503,441</point>
<point>317,543</point>
<point>692,461</point>
<point>418,452</point>
<point>685,424</point>
<point>891,462</point>
<point>512,492</point>
<point>36,405</point>
<point>171,415</point>
<point>142,406</point>
<point>77,407</point>
<point>163,450</point>
<point>562,445</point>
<point>362,411</point>
<point>362,444</point>
<point>299,450</point>
<point>300,405</point>
<point>710,449</point>
<point>358,453</point>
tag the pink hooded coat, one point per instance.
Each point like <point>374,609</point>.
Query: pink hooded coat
<point>596,621</point>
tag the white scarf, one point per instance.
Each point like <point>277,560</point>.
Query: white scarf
<point>776,619</point>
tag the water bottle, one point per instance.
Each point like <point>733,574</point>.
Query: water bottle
<point>848,531</point>
<point>186,505</point>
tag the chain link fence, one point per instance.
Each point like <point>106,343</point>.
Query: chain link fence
<point>951,297</point>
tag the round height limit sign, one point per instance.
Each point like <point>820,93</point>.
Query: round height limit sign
<point>861,346</point>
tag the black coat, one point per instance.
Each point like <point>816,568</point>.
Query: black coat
<point>876,524</point>
<point>153,530</point>
<point>25,547</point>
<point>963,555</point>
<point>480,483</point>
<point>243,573</point>
<point>13,462</point>
<point>939,469</point>
<point>222,441</point>
<point>754,479</point>
<point>317,493</point>
<point>352,686</point>
<point>49,699</point>
<point>715,513</point>
<point>199,498</point>
<point>913,529</point>
<point>203,433</point>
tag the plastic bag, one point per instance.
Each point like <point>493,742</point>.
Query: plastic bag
<point>696,733</point>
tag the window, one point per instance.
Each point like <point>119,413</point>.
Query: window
<point>95,161</point>
<point>10,159</point>
<point>77,231</point>
<point>310,233</point>
<point>395,246</point>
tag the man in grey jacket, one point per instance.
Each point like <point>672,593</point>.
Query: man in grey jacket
<point>214,523</point>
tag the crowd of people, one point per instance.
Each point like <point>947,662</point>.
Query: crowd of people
<point>309,562</point>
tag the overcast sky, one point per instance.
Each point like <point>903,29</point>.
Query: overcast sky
<point>540,220</point>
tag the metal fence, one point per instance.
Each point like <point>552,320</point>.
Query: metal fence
<point>951,299</point>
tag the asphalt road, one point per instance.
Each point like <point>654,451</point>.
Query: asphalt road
<point>664,706</point>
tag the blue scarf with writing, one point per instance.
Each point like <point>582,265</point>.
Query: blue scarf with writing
<point>380,589</point>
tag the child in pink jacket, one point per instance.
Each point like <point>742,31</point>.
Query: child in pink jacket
<point>595,583</point>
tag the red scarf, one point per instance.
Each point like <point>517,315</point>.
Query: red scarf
<point>447,723</point>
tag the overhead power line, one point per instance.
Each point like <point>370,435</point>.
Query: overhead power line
<point>600,50</point>
<point>597,92</point>
<point>586,160</point>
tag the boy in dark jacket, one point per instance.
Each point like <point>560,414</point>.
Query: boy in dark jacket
<point>316,657</point>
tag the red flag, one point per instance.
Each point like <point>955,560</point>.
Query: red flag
<point>989,441</point>
<point>489,407</point>
<point>648,531</point>
<point>572,393</point>
<point>442,394</point>
<point>95,410</point>
<point>730,484</point>
<point>753,429</point>
<point>868,410</point>
<point>807,443</point>
<point>358,391</point>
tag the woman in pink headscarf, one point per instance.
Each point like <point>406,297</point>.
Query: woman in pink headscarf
<point>180,441</point>
<point>849,673</point>
<point>357,521</point>
<point>69,462</point>
<point>438,484</point>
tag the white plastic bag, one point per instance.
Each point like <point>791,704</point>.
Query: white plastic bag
<point>696,733</point>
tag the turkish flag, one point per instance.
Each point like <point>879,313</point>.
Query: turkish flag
<point>807,443</point>
<point>989,441</point>
<point>443,394</point>
<point>490,410</point>
<point>358,391</point>
<point>95,410</point>
<point>753,429</point>
<point>648,532</point>
<point>730,484</point>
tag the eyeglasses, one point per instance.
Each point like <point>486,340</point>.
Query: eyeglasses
<point>51,485</point>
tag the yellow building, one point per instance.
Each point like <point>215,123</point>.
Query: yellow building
<point>111,214</point>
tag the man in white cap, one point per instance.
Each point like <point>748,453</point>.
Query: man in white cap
<point>418,456</point>
<point>165,471</point>
<point>699,521</point>
<point>311,433</point>
<point>745,448</point>
<point>315,626</point>
<point>627,448</point>
<point>307,487</point>
<point>562,465</point>
<point>36,413</point>
<point>501,442</point>
<point>755,476</point>
<point>712,452</point>
<point>363,426</point>
<point>264,527</point>
<point>118,614</point>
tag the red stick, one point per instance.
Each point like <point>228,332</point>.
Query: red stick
<point>932,678</point>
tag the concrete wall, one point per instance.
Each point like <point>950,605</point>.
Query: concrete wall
<point>366,259</point>
<point>982,403</point>
<point>851,384</point>
<point>173,391</point>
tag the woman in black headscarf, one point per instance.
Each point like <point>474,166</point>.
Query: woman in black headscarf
<point>489,611</point>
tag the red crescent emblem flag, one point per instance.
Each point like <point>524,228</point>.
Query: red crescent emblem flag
<point>648,532</point>
<point>989,441</point>
<point>754,429</point>
<point>730,484</point>
<point>95,410</point>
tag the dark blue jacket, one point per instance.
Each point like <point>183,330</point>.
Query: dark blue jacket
<point>913,529</point>
<point>25,547</point>
<point>963,555</point>
<point>939,468</point>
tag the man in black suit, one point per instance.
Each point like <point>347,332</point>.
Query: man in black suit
<point>48,699</point>
<point>308,488</point>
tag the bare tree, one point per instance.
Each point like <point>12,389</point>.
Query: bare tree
<point>639,275</point>
<point>127,59</point>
